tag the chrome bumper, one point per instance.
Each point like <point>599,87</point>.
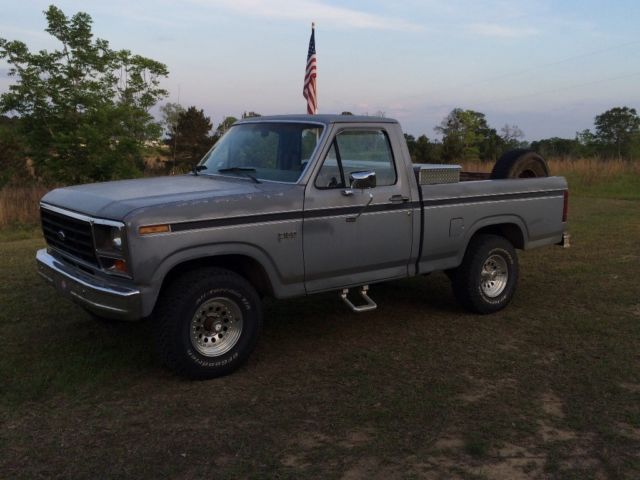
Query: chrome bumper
<point>101,297</point>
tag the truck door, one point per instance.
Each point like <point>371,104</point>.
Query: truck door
<point>353,236</point>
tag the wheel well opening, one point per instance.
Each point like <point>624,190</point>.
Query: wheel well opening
<point>510,231</point>
<point>244,266</point>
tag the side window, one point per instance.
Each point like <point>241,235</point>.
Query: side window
<point>355,151</point>
<point>330,175</point>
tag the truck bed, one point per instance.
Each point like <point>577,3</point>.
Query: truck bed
<point>528,210</point>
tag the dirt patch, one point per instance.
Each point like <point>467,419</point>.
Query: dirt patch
<point>449,442</point>
<point>552,434</point>
<point>552,405</point>
<point>512,462</point>
<point>631,387</point>
<point>481,388</point>
<point>364,468</point>
<point>513,469</point>
<point>547,358</point>
<point>629,431</point>
<point>294,460</point>
<point>313,440</point>
<point>357,438</point>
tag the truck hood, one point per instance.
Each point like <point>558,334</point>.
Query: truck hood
<point>116,200</point>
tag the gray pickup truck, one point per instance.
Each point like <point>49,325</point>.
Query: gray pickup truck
<point>286,206</point>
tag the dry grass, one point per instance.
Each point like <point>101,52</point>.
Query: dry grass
<point>593,170</point>
<point>19,205</point>
<point>588,168</point>
<point>589,177</point>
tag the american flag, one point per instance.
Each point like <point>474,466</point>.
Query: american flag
<point>309,91</point>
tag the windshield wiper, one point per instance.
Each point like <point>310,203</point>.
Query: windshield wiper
<point>236,169</point>
<point>243,170</point>
<point>198,168</point>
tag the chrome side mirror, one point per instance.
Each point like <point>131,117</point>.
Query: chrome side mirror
<point>364,179</point>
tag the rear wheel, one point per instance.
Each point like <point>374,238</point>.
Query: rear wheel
<point>486,280</point>
<point>520,163</point>
<point>208,323</point>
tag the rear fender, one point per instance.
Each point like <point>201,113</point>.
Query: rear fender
<point>511,227</point>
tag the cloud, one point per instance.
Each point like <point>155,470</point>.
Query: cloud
<point>501,31</point>
<point>313,10</point>
<point>22,32</point>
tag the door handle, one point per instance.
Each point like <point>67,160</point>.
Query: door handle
<point>398,199</point>
<point>354,219</point>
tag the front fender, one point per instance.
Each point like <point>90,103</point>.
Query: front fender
<point>280,288</point>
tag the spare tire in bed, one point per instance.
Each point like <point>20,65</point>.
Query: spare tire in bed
<point>520,163</point>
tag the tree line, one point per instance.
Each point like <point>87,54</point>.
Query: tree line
<point>81,113</point>
<point>466,136</point>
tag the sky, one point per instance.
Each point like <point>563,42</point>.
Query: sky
<point>547,66</point>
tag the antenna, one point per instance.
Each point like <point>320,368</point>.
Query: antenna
<point>175,138</point>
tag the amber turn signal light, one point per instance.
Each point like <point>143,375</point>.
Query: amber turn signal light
<point>149,229</point>
<point>120,266</point>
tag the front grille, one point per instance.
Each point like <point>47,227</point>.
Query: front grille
<point>69,235</point>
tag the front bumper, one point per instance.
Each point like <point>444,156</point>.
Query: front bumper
<point>104,298</point>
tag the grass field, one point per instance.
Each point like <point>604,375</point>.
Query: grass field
<point>548,388</point>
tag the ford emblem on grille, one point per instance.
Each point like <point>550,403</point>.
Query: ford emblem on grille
<point>61,235</point>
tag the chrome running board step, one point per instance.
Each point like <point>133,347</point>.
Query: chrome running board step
<point>369,304</point>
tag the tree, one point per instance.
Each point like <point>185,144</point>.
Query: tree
<point>411,146</point>
<point>617,129</point>
<point>557,147</point>
<point>84,107</point>
<point>250,114</point>
<point>346,113</point>
<point>225,125</point>
<point>512,136</point>
<point>422,150</point>
<point>13,160</point>
<point>191,139</point>
<point>170,116</point>
<point>467,136</point>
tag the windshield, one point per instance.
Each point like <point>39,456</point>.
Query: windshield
<point>266,151</point>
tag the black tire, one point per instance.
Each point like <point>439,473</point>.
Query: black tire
<point>176,313</point>
<point>520,163</point>
<point>471,281</point>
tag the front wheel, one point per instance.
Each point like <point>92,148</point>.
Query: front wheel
<point>486,280</point>
<point>209,321</point>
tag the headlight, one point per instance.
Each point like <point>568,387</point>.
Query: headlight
<point>116,240</point>
<point>110,248</point>
<point>108,238</point>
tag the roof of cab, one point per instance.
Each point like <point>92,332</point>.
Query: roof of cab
<point>324,118</point>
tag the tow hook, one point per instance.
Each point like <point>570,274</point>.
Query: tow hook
<point>369,304</point>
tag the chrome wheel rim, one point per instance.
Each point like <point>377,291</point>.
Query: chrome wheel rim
<point>216,326</point>
<point>494,276</point>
